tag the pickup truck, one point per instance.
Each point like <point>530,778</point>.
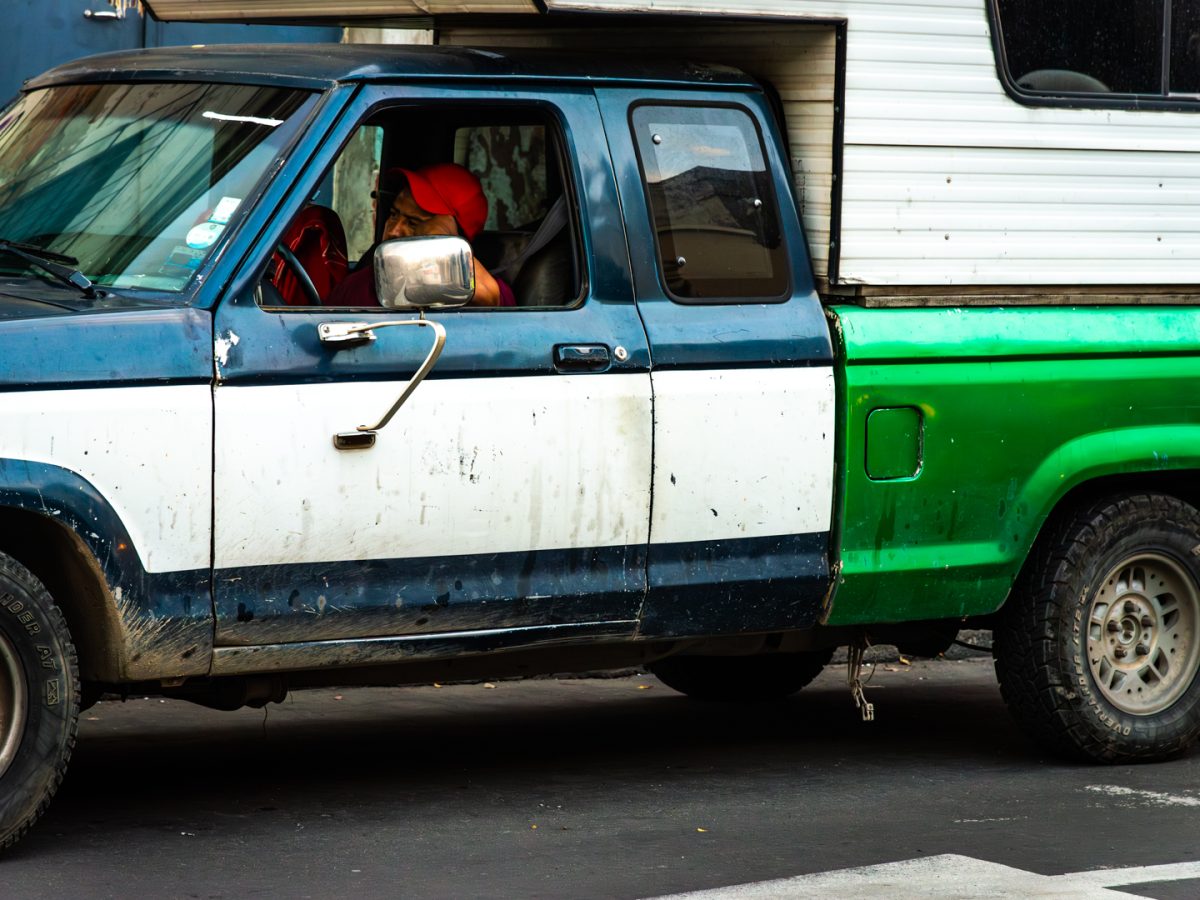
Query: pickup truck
<point>217,484</point>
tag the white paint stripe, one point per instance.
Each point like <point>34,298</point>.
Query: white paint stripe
<point>741,453</point>
<point>949,876</point>
<point>147,450</point>
<point>1134,875</point>
<point>1155,798</point>
<point>468,466</point>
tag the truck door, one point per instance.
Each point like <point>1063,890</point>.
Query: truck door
<point>509,497</point>
<point>741,364</point>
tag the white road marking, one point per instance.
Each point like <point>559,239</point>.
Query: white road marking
<point>1136,875</point>
<point>950,876</point>
<point>1155,798</point>
<point>997,819</point>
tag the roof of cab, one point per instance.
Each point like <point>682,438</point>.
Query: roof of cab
<point>323,65</point>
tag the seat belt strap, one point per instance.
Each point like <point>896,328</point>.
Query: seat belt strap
<point>551,225</point>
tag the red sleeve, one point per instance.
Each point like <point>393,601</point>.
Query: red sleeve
<point>507,297</point>
<point>357,289</point>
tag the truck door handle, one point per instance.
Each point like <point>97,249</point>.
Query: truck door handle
<point>581,358</point>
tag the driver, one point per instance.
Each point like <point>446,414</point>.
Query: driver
<point>443,198</point>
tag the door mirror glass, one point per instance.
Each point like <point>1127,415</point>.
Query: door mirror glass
<point>426,272</point>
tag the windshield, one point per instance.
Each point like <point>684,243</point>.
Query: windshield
<point>136,182</point>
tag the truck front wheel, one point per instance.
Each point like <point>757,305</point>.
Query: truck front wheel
<point>769,676</point>
<point>39,699</point>
<point>1098,649</point>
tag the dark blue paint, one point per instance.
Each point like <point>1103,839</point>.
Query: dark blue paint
<point>382,651</point>
<point>734,586</point>
<point>117,348</point>
<point>694,335</point>
<point>27,296</point>
<point>64,496</point>
<point>322,65</point>
<point>283,345</point>
<point>381,597</point>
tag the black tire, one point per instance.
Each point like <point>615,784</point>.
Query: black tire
<point>39,699</point>
<point>768,676</point>
<point>1107,583</point>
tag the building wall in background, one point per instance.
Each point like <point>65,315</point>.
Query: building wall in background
<point>41,34</point>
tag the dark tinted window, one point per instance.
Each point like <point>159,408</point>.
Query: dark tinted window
<point>1185,47</point>
<point>1084,46</point>
<point>711,197</point>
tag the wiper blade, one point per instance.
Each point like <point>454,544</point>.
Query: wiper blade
<point>41,252</point>
<point>53,263</point>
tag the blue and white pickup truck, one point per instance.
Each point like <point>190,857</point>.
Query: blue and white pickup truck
<point>218,483</point>
<point>182,467</point>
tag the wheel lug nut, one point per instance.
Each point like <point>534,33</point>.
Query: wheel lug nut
<point>1147,621</point>
<point>1130,606</point>
<point>1120,652</point>
<point>1112,627</point>
<point>1142,649</point>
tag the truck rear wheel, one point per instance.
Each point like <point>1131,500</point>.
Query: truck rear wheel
<point>1098,649</point>
<point>768,676</point>
<point>39,699</point>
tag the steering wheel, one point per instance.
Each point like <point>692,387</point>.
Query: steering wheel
<point>300,273</point>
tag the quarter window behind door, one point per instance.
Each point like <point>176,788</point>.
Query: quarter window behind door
<point>711,198</point>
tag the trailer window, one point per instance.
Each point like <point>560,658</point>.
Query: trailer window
<point>715,221</point>
<point>1108,52</point>
<point>1185,48</point>
<point>1104,47</point>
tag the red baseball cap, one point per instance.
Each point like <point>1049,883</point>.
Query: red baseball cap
<point>449,189</point>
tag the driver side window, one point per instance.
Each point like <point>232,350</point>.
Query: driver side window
<point>493,176</point>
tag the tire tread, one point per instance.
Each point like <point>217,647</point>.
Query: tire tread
<point>58,623</point>
<point>1029,657</point>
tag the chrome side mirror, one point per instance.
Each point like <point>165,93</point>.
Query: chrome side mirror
<point>427,272</point>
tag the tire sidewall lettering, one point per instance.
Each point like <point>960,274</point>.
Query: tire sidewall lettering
<point>39,646</point>
<point>1106,718</point>
<point>1042,654</point>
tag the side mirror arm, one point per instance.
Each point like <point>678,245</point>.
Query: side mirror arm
<point>363,437</point>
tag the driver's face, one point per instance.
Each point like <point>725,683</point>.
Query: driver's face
<point>406,219</point>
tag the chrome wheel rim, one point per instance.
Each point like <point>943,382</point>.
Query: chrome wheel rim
<point>1141,638</point>
<point>13,697</point>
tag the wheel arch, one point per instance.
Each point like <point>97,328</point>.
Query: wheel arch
<point>1182,483</point>
<point>1153,457</point>
<point>128,624</point>
<point>66,566</point>
<point>1049,645</point>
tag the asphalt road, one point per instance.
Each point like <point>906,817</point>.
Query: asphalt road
<point>588,788</point>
